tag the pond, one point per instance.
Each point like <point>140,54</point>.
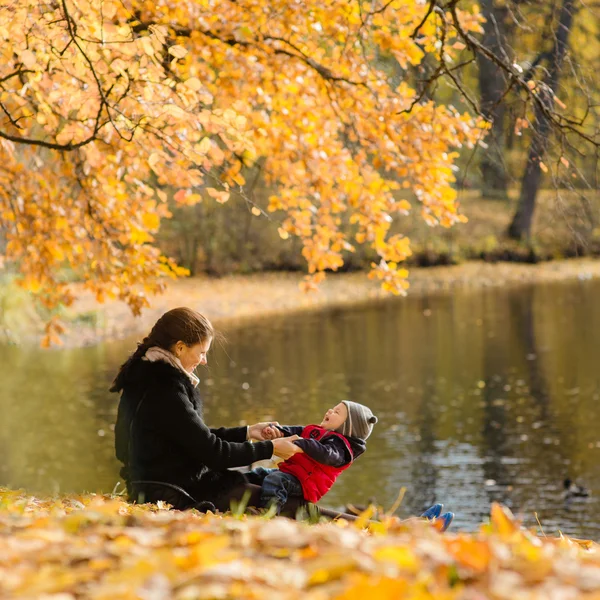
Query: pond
<point>487,395</point>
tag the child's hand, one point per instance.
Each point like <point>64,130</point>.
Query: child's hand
<point>264,431</point>
<point>270,432</point>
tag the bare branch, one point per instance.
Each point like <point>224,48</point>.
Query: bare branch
<point>14,74</point>
<point>518,79</point>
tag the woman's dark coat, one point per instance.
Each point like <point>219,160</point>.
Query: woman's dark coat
<point>160,436</point>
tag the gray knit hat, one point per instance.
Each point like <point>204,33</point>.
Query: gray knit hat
<point>360,421</point>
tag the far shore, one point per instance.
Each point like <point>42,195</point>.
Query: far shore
<point>240,298</point>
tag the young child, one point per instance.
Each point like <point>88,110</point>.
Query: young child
<point>327,450</point>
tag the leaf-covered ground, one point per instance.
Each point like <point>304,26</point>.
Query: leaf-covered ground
<point>102,548</point>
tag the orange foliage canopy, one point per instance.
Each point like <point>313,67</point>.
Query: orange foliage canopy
<point>107,107</point>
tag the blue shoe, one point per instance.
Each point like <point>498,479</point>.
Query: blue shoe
<point>433,512</point>
<point>445,520</point>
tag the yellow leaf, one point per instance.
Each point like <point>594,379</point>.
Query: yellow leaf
<point>364,517</point>
<point>153,160</point>
<point>467,552</point>
<point>402,556</point>
<point>283,234</point>
<point>193,83</point>
<point>146,43</point>
<point>151,221</point>
<point>239,179</point>
<point>256,211</point>
<point>180,195</point>
<point>56,251</point>
<point>28,58</point>
<point>366,587</point>
<point>221,197</point>
<point>204,146</point>
<point>502,520</point>
<point>178,51</point>
<point>139,236</point>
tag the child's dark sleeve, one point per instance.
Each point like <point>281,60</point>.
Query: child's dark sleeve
<point>288,430</point>
<point>330,451</point>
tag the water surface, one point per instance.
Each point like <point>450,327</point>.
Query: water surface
<point>488,395</point>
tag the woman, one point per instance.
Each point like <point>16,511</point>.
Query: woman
<point>167,451</point>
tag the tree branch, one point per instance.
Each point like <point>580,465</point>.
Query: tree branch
<point>14,74</point>
<point>322,70</point>
<point>13,122</point>
<point>476,47</point>
<point>432,5</point>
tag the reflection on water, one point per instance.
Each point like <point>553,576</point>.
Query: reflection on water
<point>482,396</point>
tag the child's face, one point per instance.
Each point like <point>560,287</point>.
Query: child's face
<point>335,417</point>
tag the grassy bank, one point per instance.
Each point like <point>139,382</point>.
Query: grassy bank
<point>100,547</point>
<point>565,226</point>
<point>238,298</point>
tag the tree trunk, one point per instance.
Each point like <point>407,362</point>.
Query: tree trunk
<point>491,87</point>
<point>520,228</point>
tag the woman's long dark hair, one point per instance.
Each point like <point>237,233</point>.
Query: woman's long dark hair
<point>177,325</point>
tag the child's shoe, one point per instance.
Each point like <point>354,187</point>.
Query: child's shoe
<point>443,521</point>
<point>433,512</point>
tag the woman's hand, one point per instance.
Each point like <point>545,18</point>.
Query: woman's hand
<point>285,447</point>
<point>264,431</point>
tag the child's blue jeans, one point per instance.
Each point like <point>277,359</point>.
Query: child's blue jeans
<point>276,486</point>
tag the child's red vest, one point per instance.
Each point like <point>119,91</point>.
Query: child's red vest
<point>316,479</point>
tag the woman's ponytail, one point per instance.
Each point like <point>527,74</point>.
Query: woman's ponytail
<point>142,348</point>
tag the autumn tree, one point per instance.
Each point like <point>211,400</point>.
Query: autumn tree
<point>521,224</point>
<point>492,89</point>
<point>107,108</point>
<point>538,66</point>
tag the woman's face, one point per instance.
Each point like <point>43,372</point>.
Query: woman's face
<point>192,356</point>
